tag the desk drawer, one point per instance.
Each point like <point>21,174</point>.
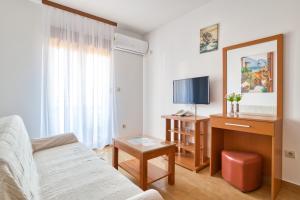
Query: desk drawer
<point>258,127</point>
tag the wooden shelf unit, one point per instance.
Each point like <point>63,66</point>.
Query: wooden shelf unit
<point>190,136</point>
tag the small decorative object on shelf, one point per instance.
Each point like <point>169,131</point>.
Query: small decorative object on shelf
<point>238,98</point>
<point>231,99</point>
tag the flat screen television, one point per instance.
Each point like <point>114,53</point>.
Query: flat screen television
<point>191,91</point>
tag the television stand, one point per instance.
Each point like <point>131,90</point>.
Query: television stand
<point>190,136</point>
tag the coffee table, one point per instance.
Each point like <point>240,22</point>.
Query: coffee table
<point>144,148</point>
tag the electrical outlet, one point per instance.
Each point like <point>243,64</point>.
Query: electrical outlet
<point>290,154</point>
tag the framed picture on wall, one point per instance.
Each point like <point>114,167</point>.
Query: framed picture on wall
<point>209,38</point>
<point>257,73</point>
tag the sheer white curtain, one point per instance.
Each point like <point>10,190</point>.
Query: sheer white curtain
<point>78,78</point>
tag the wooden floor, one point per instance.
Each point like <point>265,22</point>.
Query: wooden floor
<point>201,186</point>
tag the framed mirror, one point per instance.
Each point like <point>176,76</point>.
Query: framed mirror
<point>255,70</point>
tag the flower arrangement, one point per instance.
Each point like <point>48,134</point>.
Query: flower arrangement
<point>238,97</point>
<point>230,97</point>
<point>233,97</point>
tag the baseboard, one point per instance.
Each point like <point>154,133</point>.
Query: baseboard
<point>291,184</point>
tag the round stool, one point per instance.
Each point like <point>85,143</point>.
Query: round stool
<point>242,170</point>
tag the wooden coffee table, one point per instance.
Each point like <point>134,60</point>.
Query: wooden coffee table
<point>144,148</point>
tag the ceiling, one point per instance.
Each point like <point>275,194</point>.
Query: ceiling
<point>139,16</point>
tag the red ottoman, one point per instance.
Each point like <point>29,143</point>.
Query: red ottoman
<point>242,170</point>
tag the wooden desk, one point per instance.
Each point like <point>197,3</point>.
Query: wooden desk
<point>145,172</point>
<point>257,134</point>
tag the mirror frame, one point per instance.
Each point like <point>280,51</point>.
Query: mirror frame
<point>279,39</point>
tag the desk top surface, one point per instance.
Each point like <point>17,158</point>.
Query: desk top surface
<point>144,143</point>
<point>247,117</point>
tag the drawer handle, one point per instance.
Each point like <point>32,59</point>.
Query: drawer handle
<point>239,125</point>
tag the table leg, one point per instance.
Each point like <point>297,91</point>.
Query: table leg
<point>143,173</point>
<point>115,157</point>
<point>217,145</point>
<point>171,167</point>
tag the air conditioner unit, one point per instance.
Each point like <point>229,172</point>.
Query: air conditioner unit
<point>130,44</point>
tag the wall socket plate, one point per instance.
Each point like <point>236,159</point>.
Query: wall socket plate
<point>290,154</point>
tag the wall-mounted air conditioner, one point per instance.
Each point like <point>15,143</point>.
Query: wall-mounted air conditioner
<point>130,44</point>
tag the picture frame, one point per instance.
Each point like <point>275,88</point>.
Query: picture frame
<point>209,38</point>
<point>257,73</point>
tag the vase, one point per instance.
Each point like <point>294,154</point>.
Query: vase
<point>237,111</point>
<point>232,109</point>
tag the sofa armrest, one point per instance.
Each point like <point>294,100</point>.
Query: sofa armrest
<point>54,141</point>
<point>147,195</point>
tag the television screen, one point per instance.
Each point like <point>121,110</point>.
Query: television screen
<point>191,91</point>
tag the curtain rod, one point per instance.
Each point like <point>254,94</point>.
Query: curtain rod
<point>78,12</point>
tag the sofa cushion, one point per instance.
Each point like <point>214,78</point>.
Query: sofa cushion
<point>40,144</point>
<point>18,174</point>
<point>74,172</point>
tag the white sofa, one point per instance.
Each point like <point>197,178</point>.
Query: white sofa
<point>57,168</point>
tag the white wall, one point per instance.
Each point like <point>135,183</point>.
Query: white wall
<point>20,61</point>
<point>175,55</point>
<point>20,69</point>
<point>129,79</point>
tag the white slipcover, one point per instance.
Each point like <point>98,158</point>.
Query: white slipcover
<point>18,173</point>
<point>60,168</point>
